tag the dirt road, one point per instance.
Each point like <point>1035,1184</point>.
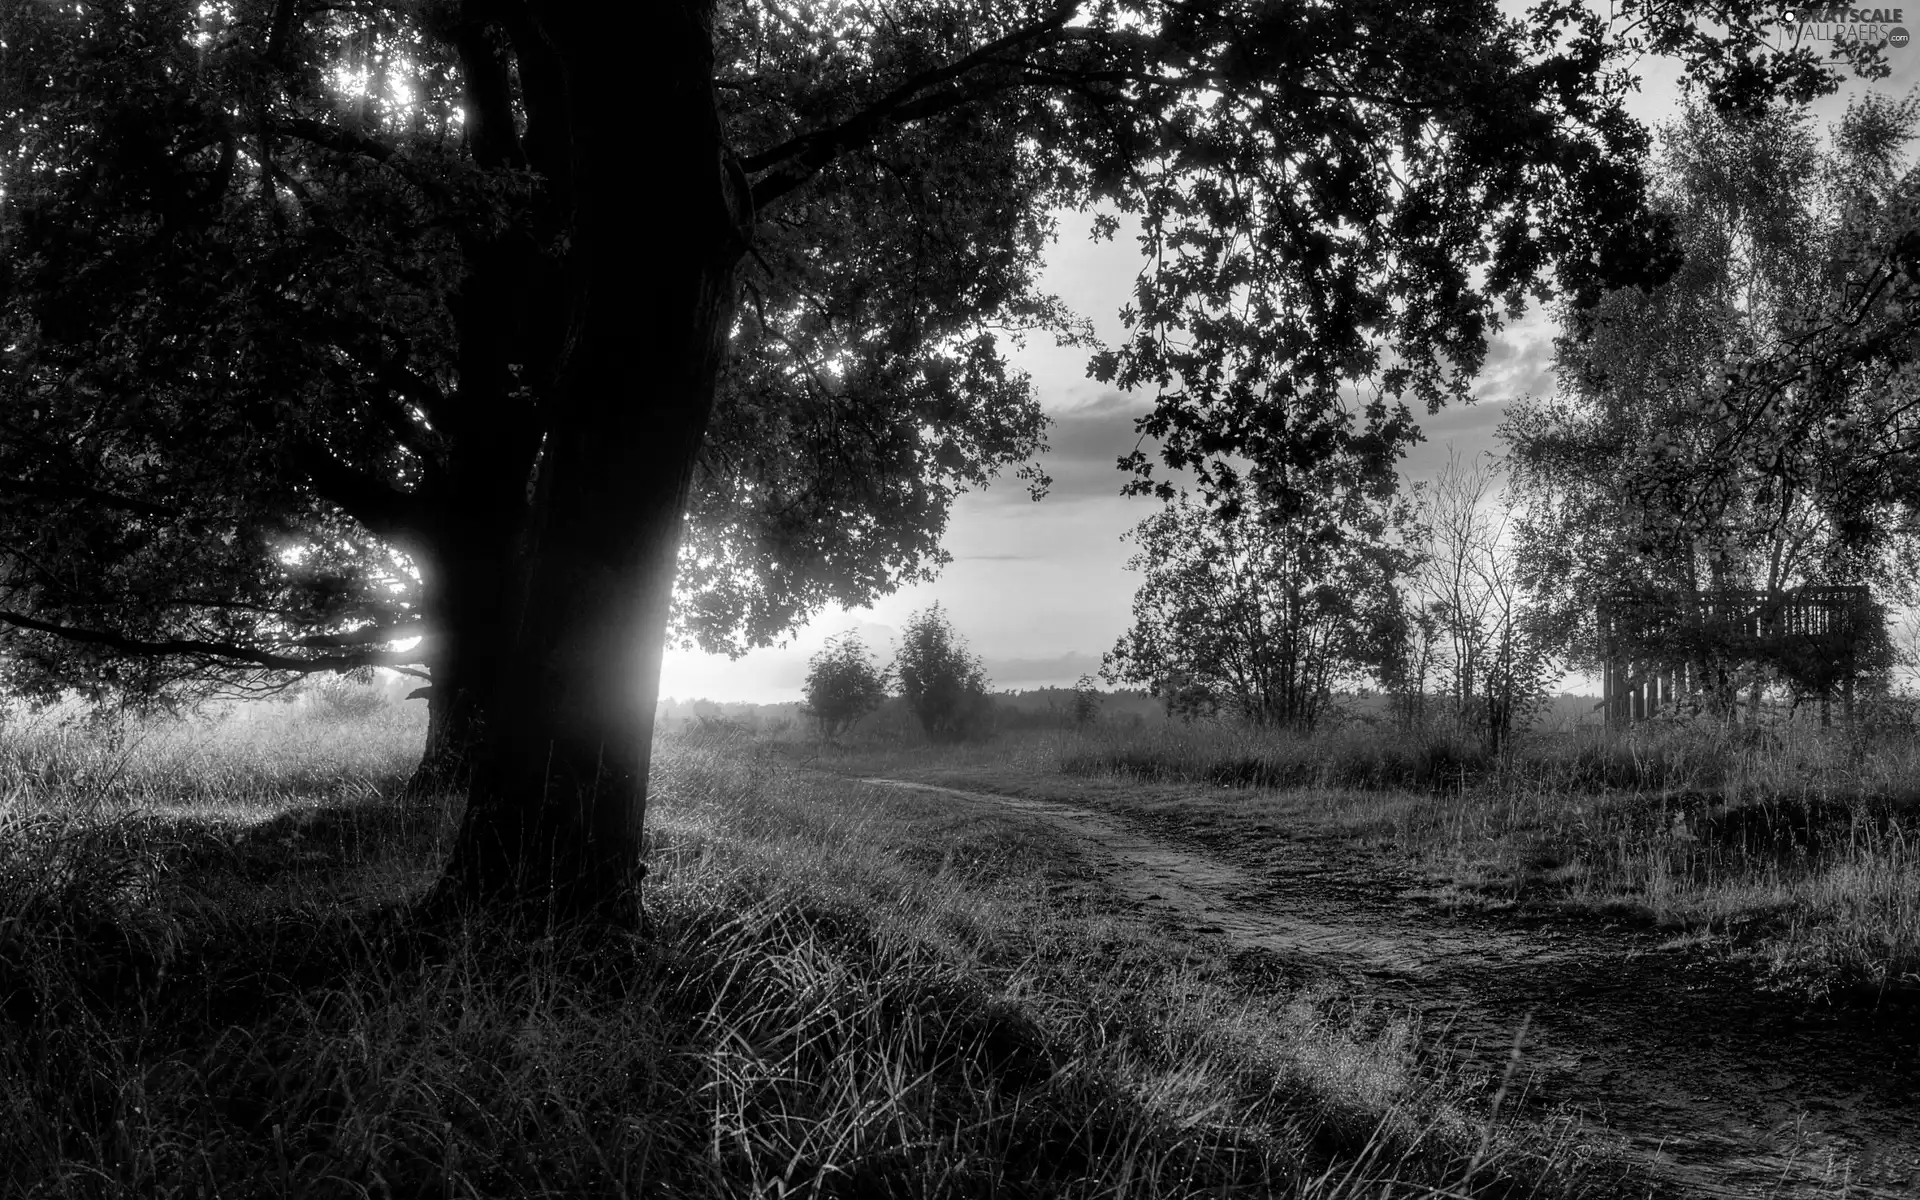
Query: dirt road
<point>1726,1091</point>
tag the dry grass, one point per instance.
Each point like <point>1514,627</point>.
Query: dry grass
<point>205,992</point>
<point>1797,847</point>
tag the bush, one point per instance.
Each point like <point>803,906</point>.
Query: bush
<point>842,685</point>
<point>1086,702</point>
<point>944,686</point>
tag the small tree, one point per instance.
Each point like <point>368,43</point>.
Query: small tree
<point>1086,702</point>
<point>944,686</point>
<point>843,685</point>
<point>1408,634</point>
<point>1491,652</point>
<point>1258,605</point>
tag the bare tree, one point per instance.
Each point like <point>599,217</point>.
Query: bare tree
<point>1469,589</point>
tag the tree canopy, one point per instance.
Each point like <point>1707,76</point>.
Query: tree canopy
<point>240,402</point>
<point>944,686</point>
<point>237,377</point>
<point>1750,422</point>
<point>1264,612</point>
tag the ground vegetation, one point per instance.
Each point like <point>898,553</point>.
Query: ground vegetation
<point>203,988</point>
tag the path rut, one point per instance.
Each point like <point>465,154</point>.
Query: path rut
<point>1724,1091</point>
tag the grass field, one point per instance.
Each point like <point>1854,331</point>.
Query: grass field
<point>1798,848</point>
<point>205,991</point>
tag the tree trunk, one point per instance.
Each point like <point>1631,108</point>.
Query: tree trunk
<point>465,572</point>
<point>453,733</point>
<point>558,792</point>
<point>457,703</point>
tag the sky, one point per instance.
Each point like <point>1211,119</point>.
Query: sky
<point>1040,590</point>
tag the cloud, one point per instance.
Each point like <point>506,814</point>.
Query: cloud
<point>1107,401</point>
<point>1028,673</point>
<point>1516,379</point>
<point>826,625</point>
<point>1500,350</point>
<point>1092,428</point>
<point>1085,441</point>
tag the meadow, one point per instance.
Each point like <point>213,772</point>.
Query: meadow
<point>1793,845</point>
<point>209,985</point>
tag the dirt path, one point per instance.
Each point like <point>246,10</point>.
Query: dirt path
<point>1729,1093</point>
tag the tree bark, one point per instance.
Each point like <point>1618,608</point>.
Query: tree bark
<point>452,735</point>
<point>457,703</point>
<point>466,570</point>
<point>558,792</point>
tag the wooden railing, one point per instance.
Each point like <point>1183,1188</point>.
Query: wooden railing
<point>1651,643</point>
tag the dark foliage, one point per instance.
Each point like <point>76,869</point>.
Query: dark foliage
<point>944,686</point>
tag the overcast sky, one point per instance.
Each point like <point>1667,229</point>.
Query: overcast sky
<point>1040,591</point>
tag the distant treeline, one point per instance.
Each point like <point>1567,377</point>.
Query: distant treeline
<point>1053,706</point>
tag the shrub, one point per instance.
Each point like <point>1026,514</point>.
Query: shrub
<point>945,687</point>
<point>843,685</point>
<point>1086,702</point>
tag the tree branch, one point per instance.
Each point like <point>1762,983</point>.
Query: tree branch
<point>490,127</point>
<point>347,141</point>
<point>360,342</point>
<point>396,378</point>
<point>544,102</point>
<point>385,510</point>
<point>74,491</point>
<point>192,648</point>
<point>280,30</point>
<point>216,185</point>
<point>371,635</point>
<point>328,137</point>
<point>801,158</point>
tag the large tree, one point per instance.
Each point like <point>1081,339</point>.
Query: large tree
<point>1716,431</point>
<point>329,326</point>
<point>349,483</point>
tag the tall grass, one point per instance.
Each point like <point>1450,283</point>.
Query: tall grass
<point>254,756</point>
<point>1790,757</point>
<point>208,992</point>
<point>1791,845</point>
